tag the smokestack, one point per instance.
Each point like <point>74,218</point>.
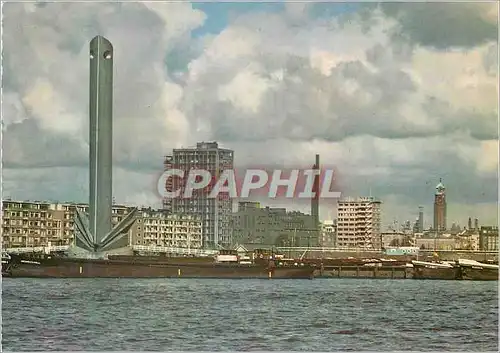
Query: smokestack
<point>316,191</point>
<point>470,223</point>
<point>476,224</point>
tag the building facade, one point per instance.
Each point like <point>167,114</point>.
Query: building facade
<point>158,228</point>
<point>273,226</point>
<point>215,213</point>
<point>440,209</point>
<point>449,243</point>
<point>488,238</point>
<point>467,240</point>
<point>328,234</point>
<point>40,223</point>
<point>358,223</point>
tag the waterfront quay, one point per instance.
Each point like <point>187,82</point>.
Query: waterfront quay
<point>382,272</point>
<point>336,253</point>
<point>329,262</point>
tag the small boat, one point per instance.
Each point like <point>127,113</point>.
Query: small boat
<point>435,270</point>
<point>477,271</point>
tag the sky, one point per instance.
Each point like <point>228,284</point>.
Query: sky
<point>393,96</point>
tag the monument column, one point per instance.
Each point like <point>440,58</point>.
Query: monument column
<point>101,142</point>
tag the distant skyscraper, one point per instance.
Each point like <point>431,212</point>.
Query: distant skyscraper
<point>440,208</point>
<point>420,220</point>
<point>215,213</point>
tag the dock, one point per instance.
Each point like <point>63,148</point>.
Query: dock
<point>382,272</point>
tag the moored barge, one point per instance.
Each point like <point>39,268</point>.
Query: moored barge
<point>477,271</point>
<point>435,270</point>
<point>149,267</point>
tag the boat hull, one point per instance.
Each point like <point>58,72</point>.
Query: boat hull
<point>86,268</point>
<point>421,272</point>
<point>479,274</point>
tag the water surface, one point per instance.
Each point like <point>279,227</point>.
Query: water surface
<point>207,314</point>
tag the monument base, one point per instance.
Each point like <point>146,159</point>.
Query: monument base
<point>80,253</point>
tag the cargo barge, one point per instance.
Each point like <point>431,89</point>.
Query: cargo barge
<point>46,266</point>
<point>461,269</point>
<point>435,270</point>
<point>477,271</point>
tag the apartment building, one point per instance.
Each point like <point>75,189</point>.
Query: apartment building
<point>40,223</point>
<point>273,226</point>
<point>36,223</point>
<point>358,223</point>
<point>158,228</point>
<point>215,213</point>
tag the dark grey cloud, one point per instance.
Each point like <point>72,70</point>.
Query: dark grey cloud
<point>444,25</point>
<point>480,126</point>
<point>417,184</point>
<point>25,144</point>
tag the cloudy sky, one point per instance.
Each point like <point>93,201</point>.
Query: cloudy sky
<point>394,96</point>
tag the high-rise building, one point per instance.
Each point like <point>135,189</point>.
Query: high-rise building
<point>440,208</point>
<point>358,223</point>
<point>215,213</point>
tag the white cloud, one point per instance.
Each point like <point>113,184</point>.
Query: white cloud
<point>458,77</point>
<point>245,91</point>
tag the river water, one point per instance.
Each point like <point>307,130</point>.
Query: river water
<point>191,314</point>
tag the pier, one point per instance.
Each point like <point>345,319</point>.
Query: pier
<point>293,252</point>
<point>383,272</point>
<point>337,253</point>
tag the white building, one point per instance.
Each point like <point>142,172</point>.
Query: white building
<point>156,228</point>
<point>358,223</point>
<point>40,223</point>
